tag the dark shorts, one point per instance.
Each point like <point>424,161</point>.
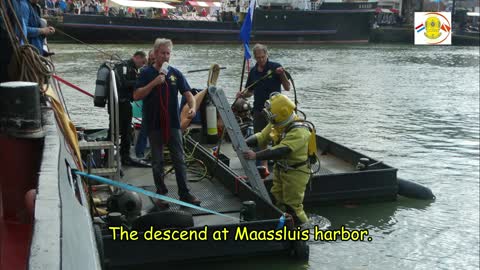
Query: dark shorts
<point>259,121</point>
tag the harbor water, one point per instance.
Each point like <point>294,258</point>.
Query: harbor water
<point>415,108</point>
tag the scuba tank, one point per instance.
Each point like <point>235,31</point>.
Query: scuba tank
<point>102,86</point>
<point>211,115</point>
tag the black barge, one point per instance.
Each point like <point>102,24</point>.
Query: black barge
<point>327,23</point>
<point>220,190</point>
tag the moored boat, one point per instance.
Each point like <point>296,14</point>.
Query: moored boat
<point>324,23</point>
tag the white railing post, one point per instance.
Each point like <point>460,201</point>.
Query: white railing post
<point>114,120</point>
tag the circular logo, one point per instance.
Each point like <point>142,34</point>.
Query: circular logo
<point>436,27</point>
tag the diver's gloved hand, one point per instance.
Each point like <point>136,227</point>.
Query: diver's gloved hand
<point>252,141</point>
<point>268,154</point>
<point>273,154</point>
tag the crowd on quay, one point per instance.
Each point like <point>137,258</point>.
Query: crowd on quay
<point>52,7</point>
<point>95,7</point>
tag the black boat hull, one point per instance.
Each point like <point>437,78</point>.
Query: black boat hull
<point>376,183</point>
<point>273,26</point>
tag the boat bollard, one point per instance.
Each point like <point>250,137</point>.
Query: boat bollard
<point>248,211</point>
<point>20,114</point>
<point>363,163</point>
<point>21,148</point>
<point>115,219</point>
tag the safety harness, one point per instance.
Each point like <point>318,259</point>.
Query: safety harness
<point>283,163</point>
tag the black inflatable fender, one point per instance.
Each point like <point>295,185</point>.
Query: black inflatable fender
<point>413,190</point>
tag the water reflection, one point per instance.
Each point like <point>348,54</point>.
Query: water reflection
<point>375,216</point>
<point>443,60</point>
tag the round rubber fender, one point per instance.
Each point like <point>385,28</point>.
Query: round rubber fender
<point>162,220</point>
<point>300,251</point>
<point>413,190</point>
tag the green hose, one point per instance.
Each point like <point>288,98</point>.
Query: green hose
<point>195,166</point>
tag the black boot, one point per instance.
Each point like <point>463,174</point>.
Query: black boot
<point>159,203</point>
<point>292,213</point>
<point>189,198</point>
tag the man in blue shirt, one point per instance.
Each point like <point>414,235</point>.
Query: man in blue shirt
<point>263,79</point>
<point>158,86</point>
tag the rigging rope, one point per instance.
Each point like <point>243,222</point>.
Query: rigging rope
<point>27,64</point>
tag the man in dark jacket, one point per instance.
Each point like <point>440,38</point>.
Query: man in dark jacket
<point>126,76</point>
<point>264,78</point>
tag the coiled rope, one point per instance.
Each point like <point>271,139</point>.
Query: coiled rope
<point>27,64</point>
<point>195,166</point>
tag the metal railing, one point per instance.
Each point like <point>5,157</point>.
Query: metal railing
<point>114,120</point>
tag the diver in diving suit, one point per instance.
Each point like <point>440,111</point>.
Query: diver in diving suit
<point>292,144</point>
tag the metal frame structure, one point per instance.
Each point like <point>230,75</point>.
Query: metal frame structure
<point>114,120</point>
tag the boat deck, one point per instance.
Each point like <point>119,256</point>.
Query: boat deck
<point>338,179</point>
<point>330,164</point>
<point>214,196</point>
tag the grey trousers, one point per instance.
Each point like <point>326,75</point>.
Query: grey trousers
<point>175,145</point>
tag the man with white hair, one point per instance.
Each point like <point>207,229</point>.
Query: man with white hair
<point>265,78</point>
<point>158,86</point>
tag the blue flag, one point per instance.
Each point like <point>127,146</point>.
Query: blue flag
<point>247,28</point>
